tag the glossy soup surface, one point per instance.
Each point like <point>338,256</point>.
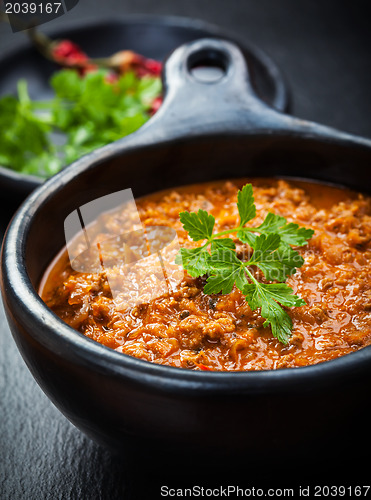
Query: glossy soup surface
<point>189,329</point>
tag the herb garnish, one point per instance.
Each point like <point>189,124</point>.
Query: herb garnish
<point>86,113</point>
<point>272,254</point>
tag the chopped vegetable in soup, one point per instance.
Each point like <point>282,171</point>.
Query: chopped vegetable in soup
<point>190,328</point>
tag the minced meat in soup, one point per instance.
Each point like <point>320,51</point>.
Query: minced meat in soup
<point>190,329</point>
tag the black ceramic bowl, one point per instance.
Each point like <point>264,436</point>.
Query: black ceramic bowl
<point>204,131</point>
<point>153,36</point>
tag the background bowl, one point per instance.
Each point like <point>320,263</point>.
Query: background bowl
<point>152,36</point>
<point>119,400</point>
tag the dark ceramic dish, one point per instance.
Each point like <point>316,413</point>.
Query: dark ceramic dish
<point>152,36</point>
<point>204,131</point>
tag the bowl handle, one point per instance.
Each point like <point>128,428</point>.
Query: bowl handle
<point>225,105</point>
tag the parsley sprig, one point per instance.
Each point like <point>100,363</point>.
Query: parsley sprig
<point>272,253</point>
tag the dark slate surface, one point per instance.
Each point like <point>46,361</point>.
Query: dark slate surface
<point>324,49</point>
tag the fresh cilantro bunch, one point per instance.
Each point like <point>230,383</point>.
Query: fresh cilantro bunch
<point>40,137</point>
<point>92,111</point>
<point>25,143</point>
<point>272,253</point>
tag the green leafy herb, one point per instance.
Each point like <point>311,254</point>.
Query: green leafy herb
<point>245,204</point>
<point>272,253</point>
<point>24,141</point>
<point>199,225</point>
<point>86,113</point>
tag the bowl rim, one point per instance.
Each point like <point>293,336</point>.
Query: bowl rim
<point>282,98</point>
<point>55,335</point>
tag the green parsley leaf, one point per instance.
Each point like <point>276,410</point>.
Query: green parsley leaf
<point>245,204</point>
<point>265,245</point>
<point>222,243</point>
<point>226,270</point>
<point>277,261</point>
<point>149,89</point>
<point>67,84</point>
<point>199,225</point>
<point>24,135</point>
<point>268,297</point>
<point>289,233</point>
<point>194,260</point>
<point>246,236</point>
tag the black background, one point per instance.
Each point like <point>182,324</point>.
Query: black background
<point>324,50</point>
